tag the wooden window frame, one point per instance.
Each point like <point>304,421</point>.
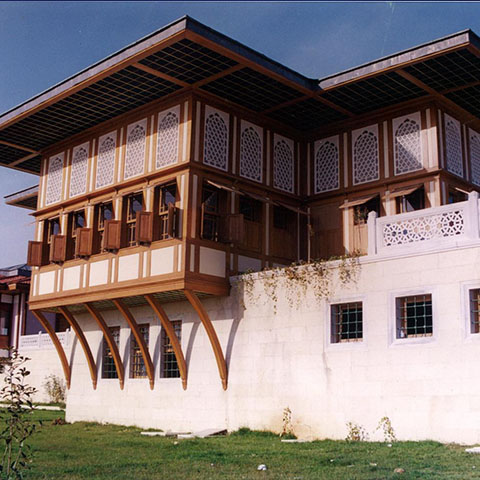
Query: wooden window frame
<point>130,218</point>
<point>99,222</point>
<point>165,222</point>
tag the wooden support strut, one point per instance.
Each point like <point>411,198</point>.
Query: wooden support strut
<point>110,342</point>
<point>83,342</point>
<point>212,335</point>
<point>139,338</point>
<point>56,342</point>
<point>167,325</point>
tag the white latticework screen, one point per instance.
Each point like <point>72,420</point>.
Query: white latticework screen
<point>251,155</point>
<point>326,166</point>
<point>365,157</point>
<point>135,156</point>
<point>54,179</point>
<point>216,141</point>
<point>283,168</point>
<point>475,156</point>
<point>106,160</point>
<point>78,177</point>
<point>167,139</point>
<point>453,142</point>
<point>407,147</point>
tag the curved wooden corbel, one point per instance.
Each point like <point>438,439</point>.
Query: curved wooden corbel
<point>167,325</point>
<point>212,335</point>
<point>110,342</point>
<point>139,338</point>
<point>83,342</point>
<point>56,342</point>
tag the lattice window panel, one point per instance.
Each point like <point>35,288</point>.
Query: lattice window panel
<point>407,147</point>
<point>453,143</point>
<point>365,158</point>
<point>135,156</point>
<point>326,166</point>
<point>106,160</point>
<point>54,179</point>
<point>216,142</point>
<point>78,176</point>
<point>251,155</point>
<point>167,139</point>
<point>475,156</point>
<point>283,168</point>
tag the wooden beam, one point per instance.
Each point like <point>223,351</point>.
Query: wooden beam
<point>139,338</point>
<point>212,335</point>
<point>218,75</point>
<point>18,147</point>
<point>159,74</point>
<point>83,342</point>
<point>21,160</point>
<point>461,87</point>
<point>110,342</point>
<point>56,342</point>
<point>167,325</point>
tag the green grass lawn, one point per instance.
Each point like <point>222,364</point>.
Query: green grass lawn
<point>91,451</point>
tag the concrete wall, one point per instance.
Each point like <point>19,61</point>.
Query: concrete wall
<point>428,387</point>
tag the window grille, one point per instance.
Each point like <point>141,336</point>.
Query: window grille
<point>408,156</point>
<point>414,316</point>
<point>216,142</point>
<point>54,180</point>
<point>283,168</point>
<point>134,205</point>
<point>453,144</point>
<point>475,156</point>
<point>169,365</point>
<point>251,155</point>
<point>365,158</point>
<point>475,310</point>
<point>78,177</point>
<point>135,156</point>
<point>326,168</point>
<point>347,322</point>
<point>106,161</point>
<point>167,140</point>
<point>109,370</point>
<point>137,364</point>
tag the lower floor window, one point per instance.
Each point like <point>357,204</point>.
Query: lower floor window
<point>347,322</point>
<point>475,310</point>
<point>169,367</point>
<point>109,370</point>
<point>414,316</point>
<point>137,364</point>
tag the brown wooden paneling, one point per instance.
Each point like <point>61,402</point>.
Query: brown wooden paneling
<point>58,248</point>
<point>144,227</point>
<point>84,244</point>
<point>112,235</point>
<point>35,254</point>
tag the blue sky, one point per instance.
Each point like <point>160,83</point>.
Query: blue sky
<point>42,43</point>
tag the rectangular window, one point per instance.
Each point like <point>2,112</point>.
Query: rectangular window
<point>456,195</point>
<point>411,202</point>
<point>137,365</point>
<point>108,365</point>
<point>76,220</point>
<point>169,366</point>
<point>360,212</point>
<point>283,219</point>
<point>474,296</point>
<point>251,209</point>
<point>134,204</point>
<point>51,227</point>
<point>414,316</point>
<point>165,195</point>
<point>212,199</point>
<point>104,212</point>
<point>347,322</point>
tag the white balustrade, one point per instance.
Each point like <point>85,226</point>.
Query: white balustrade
<point>43,341</point>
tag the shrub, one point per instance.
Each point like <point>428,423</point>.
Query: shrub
<point>55,388</point>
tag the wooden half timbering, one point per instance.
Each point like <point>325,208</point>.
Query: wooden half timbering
<point>58,248</point>
<point>144,227</point>
<point>112,239</point>
<point>35,254</point>
<point>84,244</point>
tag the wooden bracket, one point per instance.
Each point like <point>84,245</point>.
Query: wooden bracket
<point>139,338</point>
<point>212,335</point>
<point>83,342</point>
<point>56,342</point>
<point>110,342</point>
<point>167,325</point>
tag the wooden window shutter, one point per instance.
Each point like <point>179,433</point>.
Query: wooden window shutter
<point>84,243</point>
<point>144,227</point>
<point>172,220</point>
<point>58,248</point>
<point>35,254</point>
<point>112,235</point>
<point>234,228</point>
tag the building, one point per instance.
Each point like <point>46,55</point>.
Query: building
<point>185,159</point>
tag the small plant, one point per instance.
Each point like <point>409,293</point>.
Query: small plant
<point>356,433</point>
<point>55,388</point>
<point>287,428</point>
<point>16,418</point>
<point>388,432</point>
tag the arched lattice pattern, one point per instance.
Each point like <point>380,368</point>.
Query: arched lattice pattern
<point>135,157</point>
<point>365,158</point>
<point>283,167</point>
<point>475,157</point>
<point>216,142</point>
<point>54,180</point>
<point>167,140</point>
<point>408,155</point>
<point>326,168</point>
<point>453,143</point>
<point>251,155</point>
<point>78,178</point>
<point>106,162</point>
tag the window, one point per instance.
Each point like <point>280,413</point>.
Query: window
<point>455,195</point>
<point>251,209</point>
<point>137,365</point>
<point>414,316</point>
<point>169,367</point>
<point>51,227</point>
<point>283,219</point>
<point>104,212</point>
<point>134,204</point>
<point>474,297</point>
<point>108,365</point>
<point>213,202</point>
<point>164,196</point>
<point>360,212</point>
<point>76,220</point>
<point>411,202</point>
<point>5,318</point>
<point>347,322</point>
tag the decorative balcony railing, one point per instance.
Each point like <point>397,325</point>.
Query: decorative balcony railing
<point>43,341</point>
